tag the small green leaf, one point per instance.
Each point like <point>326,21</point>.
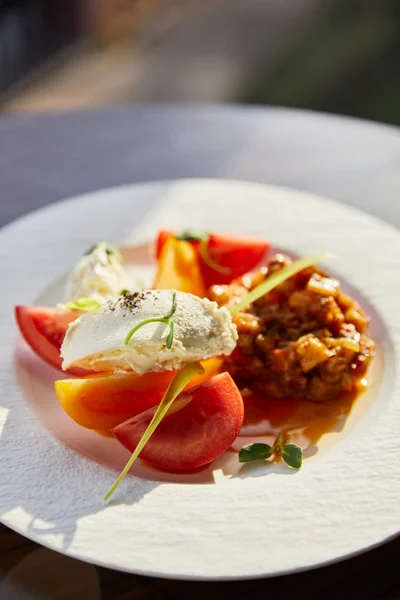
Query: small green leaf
<point>276,279</point>
<point>124,292</point>
<point>292,454</point>
<point>255,452</point>
<point>192,235</point>
<point>176,386</point>
<point>85,304</point>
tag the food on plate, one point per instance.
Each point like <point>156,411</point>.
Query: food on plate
<point>178,268</point>
<point>221,257</point>
<point>103,401</point>
<point>226,333</point>
<point>290,453</point>
<point>152,330</point>
<point>200,426</point>
<point>44,330</point>
<point>306,338</point>
<point>177,385</point>
<point>98,275</point>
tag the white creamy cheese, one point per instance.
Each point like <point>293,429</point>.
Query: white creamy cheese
<point>201,330</point>
<point>98,275</point>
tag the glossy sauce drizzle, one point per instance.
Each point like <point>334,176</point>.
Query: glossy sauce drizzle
<point>305,421</point>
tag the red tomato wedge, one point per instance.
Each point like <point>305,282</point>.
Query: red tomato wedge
<point>201,425</point>
<point>44,330</point>
<point>236,255</point>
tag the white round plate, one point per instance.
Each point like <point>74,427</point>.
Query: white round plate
<point>230,523</point>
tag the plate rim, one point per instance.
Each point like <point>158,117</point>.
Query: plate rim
<point>161,184</point>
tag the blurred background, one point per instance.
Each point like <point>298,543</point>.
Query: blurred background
<point>340,56</point>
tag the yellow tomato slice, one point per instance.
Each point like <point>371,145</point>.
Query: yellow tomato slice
<point>178,268</point>
<point>101,402</point>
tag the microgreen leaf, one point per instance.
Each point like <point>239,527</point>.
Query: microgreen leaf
<point>110,249</point>
<point>276,279</point>
<point>255,452</point>
<point>192,235</point>
<point>176,386</point>
<point>124,292</point>
<point>292,454</point>
<point>170,338</point>
<point>166,319</point>
<point>85,304</point>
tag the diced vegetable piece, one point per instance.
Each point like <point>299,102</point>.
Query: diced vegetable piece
<point>326,286</point>
<point>345,342</point>
<point>311,352</point>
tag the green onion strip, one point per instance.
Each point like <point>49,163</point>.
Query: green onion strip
<point>276,279</point>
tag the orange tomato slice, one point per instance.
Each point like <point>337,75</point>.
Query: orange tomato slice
<point>101,402</point>
<point>178,268</point>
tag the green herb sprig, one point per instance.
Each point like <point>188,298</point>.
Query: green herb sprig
<point>176,386</point>
<point>290,453</point>
<point>167,319</point>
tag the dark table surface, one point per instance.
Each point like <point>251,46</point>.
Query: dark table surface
<point>44,159</point>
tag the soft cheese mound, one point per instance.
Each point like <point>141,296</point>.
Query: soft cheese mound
<point>201,330</point>
<point>98,275</point>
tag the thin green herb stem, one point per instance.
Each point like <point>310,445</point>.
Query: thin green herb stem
<point>132,332</point>
<point>170,337</point>
<point>166,319</point>
<point>176,386</point>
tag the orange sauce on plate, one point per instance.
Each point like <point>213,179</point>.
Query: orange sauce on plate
<point>304,421</point>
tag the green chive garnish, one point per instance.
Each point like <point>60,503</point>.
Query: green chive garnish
<point>276,279</point>
<point>176,386</point>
